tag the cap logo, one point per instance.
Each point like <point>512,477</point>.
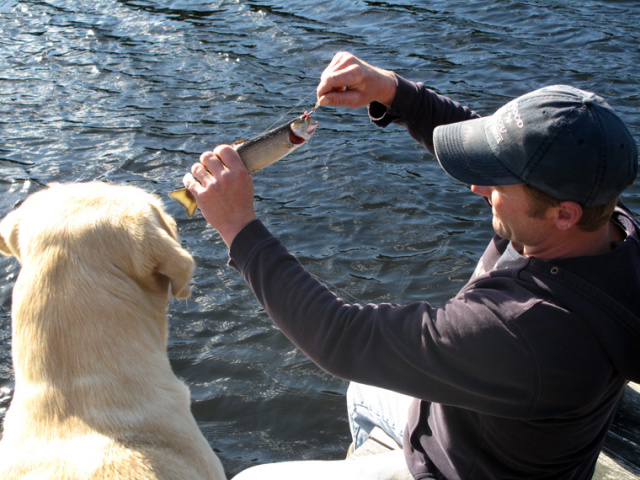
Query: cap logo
<point>507,115</point>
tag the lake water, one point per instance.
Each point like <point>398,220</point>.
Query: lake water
<point>132,91</point>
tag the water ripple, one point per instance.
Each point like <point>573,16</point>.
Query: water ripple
<point>132,91</point>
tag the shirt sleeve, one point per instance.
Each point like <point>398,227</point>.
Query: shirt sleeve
<point>420,110</point>
<point>453,354</point>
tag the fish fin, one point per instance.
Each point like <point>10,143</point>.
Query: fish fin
<point>185,198</point>
<point>238,142</point>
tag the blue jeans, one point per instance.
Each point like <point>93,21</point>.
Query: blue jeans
<point>370,407</point>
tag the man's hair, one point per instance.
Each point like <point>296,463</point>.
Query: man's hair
<point>593,217</point>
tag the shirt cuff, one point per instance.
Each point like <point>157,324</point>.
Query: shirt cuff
<point>406,94</point>
<point>246,243</point>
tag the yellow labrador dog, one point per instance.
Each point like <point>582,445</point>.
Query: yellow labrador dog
<point>95,396</point>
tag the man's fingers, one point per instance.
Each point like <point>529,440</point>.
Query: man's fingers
<point>200,173</point>
<point>227,157</point>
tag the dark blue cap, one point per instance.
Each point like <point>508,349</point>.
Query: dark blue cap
<point>562,140</point>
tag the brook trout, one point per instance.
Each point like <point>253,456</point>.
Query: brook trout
<point>260,152</point>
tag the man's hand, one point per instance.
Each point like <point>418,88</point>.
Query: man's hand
<point>364,83</point>
<point>224,191</point>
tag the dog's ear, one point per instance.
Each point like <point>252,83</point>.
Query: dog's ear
<point>171,259</point>
<point>9,244</point>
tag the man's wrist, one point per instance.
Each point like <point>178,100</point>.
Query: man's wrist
<point>229,232</point>
<point>389,89</point>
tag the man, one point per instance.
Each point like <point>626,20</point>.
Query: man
<point>520,374</point>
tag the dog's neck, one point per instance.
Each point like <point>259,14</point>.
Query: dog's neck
<point>76,357</point>
<point>87,332</point>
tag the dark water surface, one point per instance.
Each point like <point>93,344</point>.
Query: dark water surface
<point>132,91</point>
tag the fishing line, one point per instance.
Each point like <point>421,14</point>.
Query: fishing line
<point>291,110</point>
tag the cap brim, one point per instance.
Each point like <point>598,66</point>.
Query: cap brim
<point>464,153</point>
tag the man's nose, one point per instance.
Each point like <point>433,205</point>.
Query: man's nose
<point>483,191</point>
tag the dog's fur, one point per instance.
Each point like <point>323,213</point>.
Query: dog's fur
<point>95,396</point>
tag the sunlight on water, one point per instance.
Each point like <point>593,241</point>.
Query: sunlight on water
<point>132,91</point>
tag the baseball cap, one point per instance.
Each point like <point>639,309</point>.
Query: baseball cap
<point>567,142</point>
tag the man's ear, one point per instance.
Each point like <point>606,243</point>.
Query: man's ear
<point>567,215</point>
<point>9,244</point>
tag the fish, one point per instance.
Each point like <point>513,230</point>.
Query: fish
<point>260,152</point>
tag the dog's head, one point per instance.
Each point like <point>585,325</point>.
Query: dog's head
<point>101,228</point>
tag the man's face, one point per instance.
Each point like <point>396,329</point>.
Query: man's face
<point>511,220</point>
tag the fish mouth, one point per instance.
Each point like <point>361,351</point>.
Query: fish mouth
<point>309,124</point>
<point>311,127</point>
<point>296,139</point>
<point>304,129</point>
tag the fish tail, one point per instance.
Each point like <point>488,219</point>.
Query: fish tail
<point>185,198</point>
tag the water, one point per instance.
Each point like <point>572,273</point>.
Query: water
<point>132,91</point>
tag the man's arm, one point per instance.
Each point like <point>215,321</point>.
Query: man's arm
<point>420,110</point>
